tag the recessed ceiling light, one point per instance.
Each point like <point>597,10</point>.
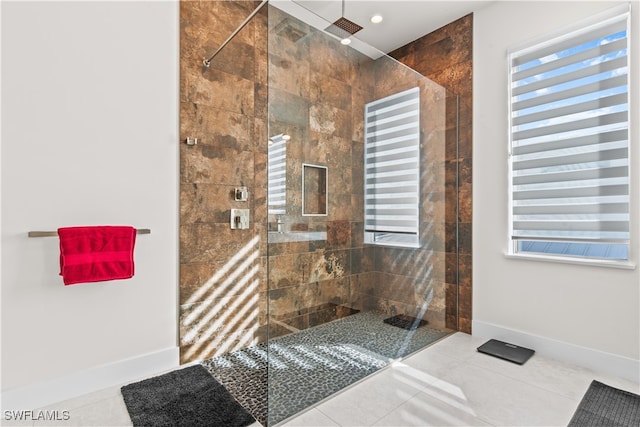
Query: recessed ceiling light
<point>345,41</point>
<point>376,19</point>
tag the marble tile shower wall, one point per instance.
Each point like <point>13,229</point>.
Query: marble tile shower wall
<point>223,298</point>
<point>315,282</point>
<point>317,90</point>
<point>403,280</point>
<point>446,57</point>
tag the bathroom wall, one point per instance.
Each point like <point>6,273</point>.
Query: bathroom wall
<point>89,133</point>
<point>446,57</point>
<point>584,307</point>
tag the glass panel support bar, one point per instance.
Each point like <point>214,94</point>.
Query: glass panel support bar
<point>207,62</point>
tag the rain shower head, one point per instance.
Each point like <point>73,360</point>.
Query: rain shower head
<point>343,27</point>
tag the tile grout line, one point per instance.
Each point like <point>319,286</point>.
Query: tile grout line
<point>524,382</point>
<point>98,402</point>
<point>379,418</point>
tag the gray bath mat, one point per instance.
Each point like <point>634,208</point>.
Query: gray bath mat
<point>603,405</point>
<point>185,397</point>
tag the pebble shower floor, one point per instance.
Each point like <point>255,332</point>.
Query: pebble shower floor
<point>308,366</point>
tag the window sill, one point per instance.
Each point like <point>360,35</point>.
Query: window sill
<point>625,265</point>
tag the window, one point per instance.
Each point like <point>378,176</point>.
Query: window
<point>277,175</point>
<point>569,144</point>
<point>392,169</point>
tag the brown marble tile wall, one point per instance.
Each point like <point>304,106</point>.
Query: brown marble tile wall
<point>446,57</point>
<point>223,287</point>
<point>341,81</point>
<point>280,76</point>
<point>404,280</point>
<point>315,91</point>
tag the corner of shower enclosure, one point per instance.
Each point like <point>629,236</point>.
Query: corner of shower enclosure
<point>347,166</point>
<point>361,189</point>
<point>347,163</point>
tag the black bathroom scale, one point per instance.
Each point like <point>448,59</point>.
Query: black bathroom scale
<point>506,351</point>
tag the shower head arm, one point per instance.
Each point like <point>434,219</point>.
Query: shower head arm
<point>207,62</point>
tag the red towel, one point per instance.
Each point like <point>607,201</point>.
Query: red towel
<point>96,254</point>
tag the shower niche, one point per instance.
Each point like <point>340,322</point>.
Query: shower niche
<point>314,190</point>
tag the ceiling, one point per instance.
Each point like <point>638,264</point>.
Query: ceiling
<point>404,21</point>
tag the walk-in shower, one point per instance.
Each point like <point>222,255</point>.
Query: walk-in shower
<point>353,265</point>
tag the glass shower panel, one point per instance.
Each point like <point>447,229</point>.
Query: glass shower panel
<point>370,277</point>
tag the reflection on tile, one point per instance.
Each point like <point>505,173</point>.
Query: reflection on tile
<point>556,376</point>
<point>453,385</point>
<point>84,400</point>
<point>311,418</point>
<point>501,400</point>
<point>115,414</point>
<point>424,410</point>
<point>459,346</point>
<point>432,363</point>
<point>370,400</point>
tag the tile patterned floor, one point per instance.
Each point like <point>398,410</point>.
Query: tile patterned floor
<point>310,365</point>
<point>447,384</point>
<point>451,384</point>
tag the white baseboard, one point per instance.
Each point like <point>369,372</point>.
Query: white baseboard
<point>599,361</point>
<point>78,383</point>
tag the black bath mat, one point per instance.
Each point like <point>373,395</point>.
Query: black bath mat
<point>603,405</point>
<point>405,322</point>
<point>185,397</point>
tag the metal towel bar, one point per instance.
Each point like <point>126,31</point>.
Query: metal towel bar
<point>55,233</point>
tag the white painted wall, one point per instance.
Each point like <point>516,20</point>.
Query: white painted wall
<point>89,137</point>
<point>593,307</point>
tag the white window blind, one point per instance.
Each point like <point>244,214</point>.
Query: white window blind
<point>570,143</point>
<point>392,169</point>
<point>277,175</point>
